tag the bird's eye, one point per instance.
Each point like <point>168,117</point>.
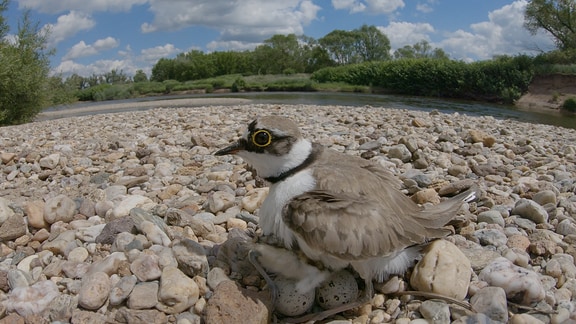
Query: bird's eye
<point>261,138</point>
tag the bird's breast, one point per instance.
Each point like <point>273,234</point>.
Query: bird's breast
<point>279,195</point>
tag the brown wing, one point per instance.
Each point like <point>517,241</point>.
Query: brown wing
<point>357,212</point>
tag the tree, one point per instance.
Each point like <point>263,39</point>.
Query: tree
<point>372,44</point>
<point>364,44</point>
<point>422,49</point>
<point>76,82</point>
<point>163,70</point>
<point>3,25</point>
<point>139,76</point>
<point>315,56</point>
<point>340,46</point>
<point>115,77</point>
<point>279,54</point>
<point>24,67</point>
<point>557,17</point>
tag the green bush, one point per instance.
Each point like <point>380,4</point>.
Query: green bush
<point>24,71</point>
<point>150,87</point>
<point>170,84</point>
<point>503,79</point>
<point>218,83</point>
<point>93,93</point>
<point>569,105</point>
<point>238,85</point>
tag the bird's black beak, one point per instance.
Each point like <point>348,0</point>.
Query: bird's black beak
<point>232,149</point>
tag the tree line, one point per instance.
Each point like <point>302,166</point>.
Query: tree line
<point>280,54</point>
<point>290,54</point>
<point>361,56</point>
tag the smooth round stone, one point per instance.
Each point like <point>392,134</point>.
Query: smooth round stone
<point>122,290</point>
<point>492,302</point>
<point>220,201</point>
<point>177,291</point>
<point>530,210</point>
<point>254,199</point>
<point>94,290</point>
<point>545,197</point>
<point>519,283</point>
<point>35,212</point>
<point>78,254</point>
<point>50,161</point>
<point>435,311</point>
<point>144,295</point>
<point>59,209</point>
<point>400,152</point>
<point>24,264</point>
<point>491,237</point>
<point>491,217</point>
<point>444,270</point>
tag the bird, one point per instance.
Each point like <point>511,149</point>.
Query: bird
<point>338,209</point>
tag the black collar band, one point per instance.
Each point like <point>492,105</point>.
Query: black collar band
<point>288,173</point>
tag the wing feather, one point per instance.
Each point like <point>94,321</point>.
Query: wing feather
<point>358,213</point>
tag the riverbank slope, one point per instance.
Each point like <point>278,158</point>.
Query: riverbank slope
<point>548,92</point>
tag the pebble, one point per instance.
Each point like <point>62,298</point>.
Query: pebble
<point>444,270</point>
<point>144,295</point>
<point>94,291</point>
<point>177,291</point>
<point>233,304</point>
<point>35,212</point>
<point>5,210</point>
<point>520,284</point>
<point>30,300</point>
<point>491,217</point>
<point>435,311</point>
<point>531,210</point>
<point>59,209</point>
<point>13,228</point>
<point>491,301</point>
<point>137,201</point>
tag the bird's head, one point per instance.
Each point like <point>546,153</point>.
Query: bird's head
<point>272,145</point>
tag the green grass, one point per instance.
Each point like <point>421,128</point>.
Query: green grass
<point>545,69</point>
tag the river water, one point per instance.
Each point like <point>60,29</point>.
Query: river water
<point>358,100</point>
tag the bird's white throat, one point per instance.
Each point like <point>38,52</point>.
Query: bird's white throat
<point>269,165</point>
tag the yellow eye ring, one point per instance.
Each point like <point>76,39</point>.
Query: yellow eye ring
<point>261,138</point>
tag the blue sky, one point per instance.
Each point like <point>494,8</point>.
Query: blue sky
<point>97,36</point>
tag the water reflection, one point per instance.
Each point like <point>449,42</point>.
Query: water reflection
<point>374,100</point>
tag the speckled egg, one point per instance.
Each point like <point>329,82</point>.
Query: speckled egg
<point>290,302</point>
<point>339,289</point>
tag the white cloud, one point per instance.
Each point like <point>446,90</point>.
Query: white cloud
<point>57,6</point>
<point>81,49</point>
<point>503,33</point>
<point>155,53</point>
<point>249,21</point>
<point>128,62</point>
<point>424,7</point>
<point>230,46</point>
<point>69,67</point>
<point>405,33</point>
<point>369,6</point>
<point>353,6</point>
<point>68,25</point>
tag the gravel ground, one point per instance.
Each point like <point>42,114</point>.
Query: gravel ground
<point>129,218</point>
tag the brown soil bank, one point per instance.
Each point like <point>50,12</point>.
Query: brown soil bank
<point>548,91</point>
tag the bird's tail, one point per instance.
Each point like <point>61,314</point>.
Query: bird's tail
<point>440,214</point>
